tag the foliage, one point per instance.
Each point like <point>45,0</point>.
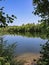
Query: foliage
<point>41,8</point>
<point>5,18</point>
<point>27,28</point>
<point>44,59</point>
<point>6,53</point>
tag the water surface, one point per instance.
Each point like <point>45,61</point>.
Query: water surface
<point>25,44</point>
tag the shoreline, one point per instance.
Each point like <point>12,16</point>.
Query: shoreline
<point>27,58</point>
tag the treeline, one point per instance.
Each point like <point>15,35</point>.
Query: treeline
<point>28,28</point>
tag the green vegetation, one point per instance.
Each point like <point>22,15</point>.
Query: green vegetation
<point>5,18</point>
<point>44,58</point>
<point>6,53</point>
<point>28,30</point>
<point>42,27</point>
<point>42,10</point>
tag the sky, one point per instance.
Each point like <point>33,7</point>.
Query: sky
<point>22,9</point>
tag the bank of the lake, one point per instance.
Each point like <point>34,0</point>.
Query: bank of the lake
<point>27,58</point>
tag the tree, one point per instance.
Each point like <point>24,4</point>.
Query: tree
<point>5,18</point>
<point>44,59</point>
<point>41,8</point>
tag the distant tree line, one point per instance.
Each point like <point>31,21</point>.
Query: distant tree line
<point>42,27</point>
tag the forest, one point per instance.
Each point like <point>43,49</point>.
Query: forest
<point>41,27</point>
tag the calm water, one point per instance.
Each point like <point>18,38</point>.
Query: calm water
<point>25,44</point>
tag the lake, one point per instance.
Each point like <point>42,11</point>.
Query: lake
<point>26,43</point>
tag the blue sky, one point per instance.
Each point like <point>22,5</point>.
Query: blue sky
<point>22,9</point>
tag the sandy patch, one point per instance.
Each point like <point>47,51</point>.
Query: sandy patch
<point>27,58</point>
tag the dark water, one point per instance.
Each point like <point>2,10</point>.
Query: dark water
<point>25,44</point>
